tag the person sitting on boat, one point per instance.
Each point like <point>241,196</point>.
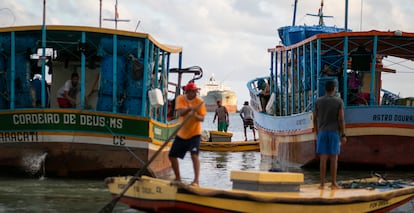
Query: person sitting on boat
<point>189,136</point>
<point>66,95</point>
<point>222,116</point>
<point>329,125</point>
<point>354,85</point>
<point>264,94</point>
<point>327,71</point>
<point>246,114</point>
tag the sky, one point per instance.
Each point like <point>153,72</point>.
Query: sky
<point>227,38</point>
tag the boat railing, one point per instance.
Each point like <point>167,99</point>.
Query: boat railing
<point>254,90</point>
<point>389,98</point>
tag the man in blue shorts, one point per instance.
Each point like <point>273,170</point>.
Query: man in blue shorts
<point>329,124</point>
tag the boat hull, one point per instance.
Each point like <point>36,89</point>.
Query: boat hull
<point>78,148</point>
<point>60,159</point>
<point>369,143</point>
<point>151,194</point>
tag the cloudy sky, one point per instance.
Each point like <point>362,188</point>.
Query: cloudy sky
<point>227,38</point>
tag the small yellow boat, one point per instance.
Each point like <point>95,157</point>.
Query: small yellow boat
<point>238,146</point>
<point>256,191</point>
<point>217,141</point>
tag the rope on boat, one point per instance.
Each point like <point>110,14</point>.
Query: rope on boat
<point>371,185</point>
<point>396,184</point>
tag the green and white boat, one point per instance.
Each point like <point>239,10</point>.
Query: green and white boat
<point>114,129</point>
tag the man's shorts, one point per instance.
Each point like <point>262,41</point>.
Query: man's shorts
<point>180,146</point>
<point>248,123</point>
<point>328,143</point>
<point>222,126</point>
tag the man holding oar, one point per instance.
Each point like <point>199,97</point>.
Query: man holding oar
<point>191,110</point>
<point>189,136</point>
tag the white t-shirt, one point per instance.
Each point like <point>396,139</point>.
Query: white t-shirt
<point>72,91</point>
<point>247,112</point>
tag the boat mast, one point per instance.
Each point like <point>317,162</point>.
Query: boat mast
<point>100,13</point>
<point>116,16</point>
<point>321,23</point>
<point>346,15</point>
<point>294,13</point>
<point>43,57</point>
<point>320,15</point>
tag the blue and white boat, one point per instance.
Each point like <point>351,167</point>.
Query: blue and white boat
<point>379,123</point>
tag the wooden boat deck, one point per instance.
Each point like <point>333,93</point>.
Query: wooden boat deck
<point>148,192</point>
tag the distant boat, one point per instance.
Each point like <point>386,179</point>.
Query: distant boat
<point>379,123</point>
<point>213,92</point>
<point>256,191</point>
<point>120,126</point>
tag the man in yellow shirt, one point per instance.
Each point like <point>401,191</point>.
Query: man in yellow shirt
<point>189,136</point>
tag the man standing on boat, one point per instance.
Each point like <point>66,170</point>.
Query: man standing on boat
<point>222,117</point>
<point>189,136</point>
<point>246,114</point>
<point>36,89</point>
<point>66,95</point>
<point>329,124</point>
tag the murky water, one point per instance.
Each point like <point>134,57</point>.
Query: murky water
<point>44,194</point>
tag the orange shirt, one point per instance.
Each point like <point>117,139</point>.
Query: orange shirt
<point>193,126</point>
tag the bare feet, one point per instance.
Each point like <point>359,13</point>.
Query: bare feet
<point>176,182</point>
<point>335,186</point>
<point>194,184</point>
<point>321,186</point>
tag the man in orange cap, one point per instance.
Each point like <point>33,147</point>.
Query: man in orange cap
<point>189,136</point>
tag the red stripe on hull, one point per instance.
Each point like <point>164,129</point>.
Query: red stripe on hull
<point>389,208</point>
<point>168,206</point>
<point>378,150</point>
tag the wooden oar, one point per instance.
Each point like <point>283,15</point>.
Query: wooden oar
<point>110,206</point>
